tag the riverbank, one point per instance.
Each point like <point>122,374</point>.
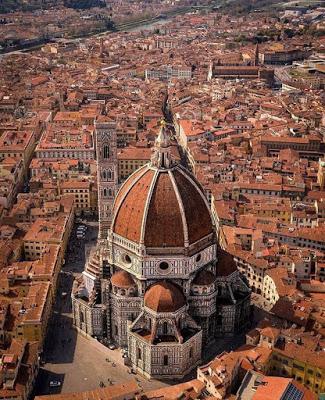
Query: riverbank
<point>154,20</point>
<point>138,24</point>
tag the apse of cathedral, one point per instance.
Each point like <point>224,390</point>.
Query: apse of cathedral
<point>157,283</point>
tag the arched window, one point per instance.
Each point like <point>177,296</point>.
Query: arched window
<point>165,360</point>
<point>106,151</point>
<point>165,328</point>
<point>107,174</point>
<point>105,192</point>
<point>110,192</point>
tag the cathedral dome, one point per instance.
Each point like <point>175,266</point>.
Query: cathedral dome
<point>122,279</point>
<point>164,297</point>
<point>162,206</point>
<point>204,278</point>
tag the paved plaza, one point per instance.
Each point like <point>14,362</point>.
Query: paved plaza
<point>87,367</point>
<point>82,363</point>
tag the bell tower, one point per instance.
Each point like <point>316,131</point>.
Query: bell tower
<point>107,172</point>
<point>321,174</point>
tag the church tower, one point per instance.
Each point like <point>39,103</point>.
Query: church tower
<point>101,48</point>
<point>257,55</point>
<point>107,171</point>
<point>321,174</point>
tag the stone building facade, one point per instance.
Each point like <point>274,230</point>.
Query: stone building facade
<point>163,288</point>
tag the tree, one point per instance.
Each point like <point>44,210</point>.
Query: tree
<point>110,25</point>
<point>84,4</point>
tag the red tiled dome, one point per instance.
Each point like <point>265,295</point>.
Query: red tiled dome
<point>226,263</point>
<point>162,208</point>
<point>204,278</point>
<point>164,297</point>
<point>122,279</point>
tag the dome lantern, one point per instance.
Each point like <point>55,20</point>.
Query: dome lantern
<point>162,157</point>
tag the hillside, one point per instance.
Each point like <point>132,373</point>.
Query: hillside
<point>7,6</point>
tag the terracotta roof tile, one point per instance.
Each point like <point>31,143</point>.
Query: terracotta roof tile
<point>128,221</point>
<point>196,212</point>
<point>164,212</point>
<point>164,297</point>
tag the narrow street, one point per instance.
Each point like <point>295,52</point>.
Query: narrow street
<point>61,339</point>
<point>170,124</point>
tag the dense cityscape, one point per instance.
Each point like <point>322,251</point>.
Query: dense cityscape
<point>162,200</point>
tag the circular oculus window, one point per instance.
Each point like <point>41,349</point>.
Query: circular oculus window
<point>163,266</point>
<point>127,259</point>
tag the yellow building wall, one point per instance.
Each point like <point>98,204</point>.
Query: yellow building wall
<point>32,332</point>
<point>127,167</point>
<point>309,375</point>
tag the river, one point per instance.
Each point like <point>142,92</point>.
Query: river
<point>138,28</point>
<point>150,25</point>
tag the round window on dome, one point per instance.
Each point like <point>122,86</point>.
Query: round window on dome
<point>127,259</point>
<point>198,258</point>
<point>163,265</point>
